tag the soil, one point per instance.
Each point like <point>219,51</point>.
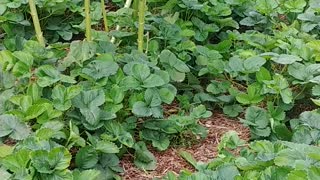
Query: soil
<point>205,151</point>
<point>10,142</point>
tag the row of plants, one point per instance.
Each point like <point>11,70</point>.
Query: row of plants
<point>259,160</point>
<point>69,109</point>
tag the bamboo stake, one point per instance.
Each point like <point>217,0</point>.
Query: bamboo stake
<point>127,5</point>
<point>87,19</point>
<point>135,6</point>
<point>36,22</point>
<point>142,6</point>
<point>104,14</point>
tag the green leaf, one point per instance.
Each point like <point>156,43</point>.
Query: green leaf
<point>5,150</point>
<point>181,66</point>
<point>232,110</point>
<point>101,68</point>
<point>164,75</point>
<point>311,119</point>
<point>152,97</point>
<point>216,87</point>
<point>141,109</point>
<point>87,99</point>
<point>57,175</point>
<point>74,136</point>
<point>282,132</point>
<point>80,51</point>
<point>34,91</point>
<point>130,82</point>
<point>266,6</point>
<point>315,80</point>
<point>252,97</point>
<point>299,72</point>
<point>200,112</point>
<point>5,175</point>
<point>86,158</point>
<point>17,162</point>
<point>188,157</point>
<point>286,95</point>
<point>48,161</point>
<point>144,159</point>
<point>159,140</point>
<point>258,116</point>
<point>94,117</point>
<point>176,75</point>
<point>36,110</point>
<point>47,75</point>
<point>297,175</point>
<point>118,130</point>
<point>228,172</point>
<point>316,90</point>
<point>62,96</point>
<point>167,94</point>
<point>110,161</point>
<point>316,101</point>
<point>59,98</point>
<point>175,67</point>
<point>168,57</point>
<point>265,132</point>
<point>253,64</point>
<point>107,147</point>
<point>153,81</point>
<point>314,172</point>
<point>24,57</point>
<point>140,72</point>
<point>263,75</point>
<point>315,44</point>
<point>302,135</point>
<point>91,174</point>
<point>230,140</point>
<point>12,126</point>
<point>286,59</point>
<point>296,6</point>
<point>289,157</point>
<point>23,101</point>
<point>116,95</point>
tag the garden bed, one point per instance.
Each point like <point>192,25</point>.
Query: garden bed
<point>170,160</point>
<point>98,91</point>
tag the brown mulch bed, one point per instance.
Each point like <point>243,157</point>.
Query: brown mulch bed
<point>205,151</point>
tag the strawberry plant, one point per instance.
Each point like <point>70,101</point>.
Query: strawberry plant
<point>84,82</point>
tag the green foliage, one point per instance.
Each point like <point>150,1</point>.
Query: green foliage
<point>74,107</point>
<point>161,131</point>
<point>261,159</point>
<point>144,159</point>
<point>11,126</point>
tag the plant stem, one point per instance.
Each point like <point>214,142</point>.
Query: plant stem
<point>104,14</point>
<point>127,5</point>
<point>36,22</point>
<point>135,6</point>
<point>88,19</point>
<point>142,6</point>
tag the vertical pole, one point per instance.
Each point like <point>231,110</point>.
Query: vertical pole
<point>142,7</point>
<point>87,19</point>
<point>36,22</point>
<point>104,14</point>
